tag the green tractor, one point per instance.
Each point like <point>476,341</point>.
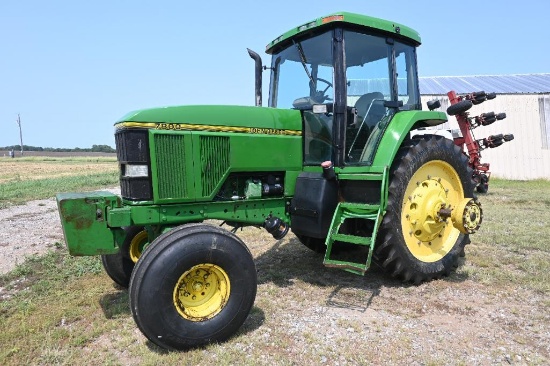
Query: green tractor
<point>331,159</point>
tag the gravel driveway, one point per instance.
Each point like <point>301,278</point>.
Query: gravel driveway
<point>29,229</point>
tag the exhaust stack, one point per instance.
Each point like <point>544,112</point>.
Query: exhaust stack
<point>258,76</point>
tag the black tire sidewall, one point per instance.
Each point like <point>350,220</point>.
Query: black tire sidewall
<point>118,268</point>
<point>159,269</point>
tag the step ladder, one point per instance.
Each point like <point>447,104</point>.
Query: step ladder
<point>347,210</point>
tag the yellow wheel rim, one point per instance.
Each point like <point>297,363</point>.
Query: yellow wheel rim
<point>202,292</point>
<point>137,244</point>
<point>432,194</point>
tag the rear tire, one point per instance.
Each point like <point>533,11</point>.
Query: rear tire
<point>412,244</point>
<point>194,285</point>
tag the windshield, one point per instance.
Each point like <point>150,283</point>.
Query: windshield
<point>377,69</point>
<point>302,74</point>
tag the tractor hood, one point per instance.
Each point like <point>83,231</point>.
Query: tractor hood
<point>217,118</point>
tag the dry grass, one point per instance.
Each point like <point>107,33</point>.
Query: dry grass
<point>34,168</point>
<point>31,178</point>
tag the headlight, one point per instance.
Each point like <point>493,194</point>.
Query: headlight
<point>135,171</point>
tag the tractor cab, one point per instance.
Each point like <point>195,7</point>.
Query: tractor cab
<point>348,79</point>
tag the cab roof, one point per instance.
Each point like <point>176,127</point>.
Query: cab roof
<point>350,19</point>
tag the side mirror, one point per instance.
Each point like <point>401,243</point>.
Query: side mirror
<point>434,104</point>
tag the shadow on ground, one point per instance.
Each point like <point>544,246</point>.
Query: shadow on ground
<point>116,303</point>
<point>289,260</point>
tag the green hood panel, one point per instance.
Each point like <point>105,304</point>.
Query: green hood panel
<point>219,115</point>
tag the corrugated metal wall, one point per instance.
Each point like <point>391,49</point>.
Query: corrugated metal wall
<point>528,118</point>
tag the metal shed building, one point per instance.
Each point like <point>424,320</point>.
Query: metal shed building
<point>526,101</point>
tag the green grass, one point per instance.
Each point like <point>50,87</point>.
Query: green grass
<point>512,245</point>
<point>17,192</point>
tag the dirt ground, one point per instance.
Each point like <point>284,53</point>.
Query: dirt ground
<point>452,321</point>
<point>29,229</point>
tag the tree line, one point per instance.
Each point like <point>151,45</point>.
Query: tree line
<point>94,148</point>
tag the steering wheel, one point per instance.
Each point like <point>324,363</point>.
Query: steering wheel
<point>321,94</point>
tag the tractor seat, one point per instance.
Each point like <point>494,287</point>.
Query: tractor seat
<point>372,101</point>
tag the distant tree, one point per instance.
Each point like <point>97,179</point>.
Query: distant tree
<point>95,148</point>
<point>103,148</point>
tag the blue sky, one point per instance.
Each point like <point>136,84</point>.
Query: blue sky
<point>71,68</point>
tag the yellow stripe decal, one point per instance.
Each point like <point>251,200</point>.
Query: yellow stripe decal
<point>210,128</point>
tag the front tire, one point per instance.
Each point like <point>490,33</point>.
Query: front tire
<point>417,241</point>
<point>194,285</point>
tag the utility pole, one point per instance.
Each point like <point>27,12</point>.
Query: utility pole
<point>20,132</point>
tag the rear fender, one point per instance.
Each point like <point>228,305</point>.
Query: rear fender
<point>398,131</point>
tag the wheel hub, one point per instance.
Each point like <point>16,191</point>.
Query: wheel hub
<point>201,292</point>
<point>427,210</point>
<point>468,216</point>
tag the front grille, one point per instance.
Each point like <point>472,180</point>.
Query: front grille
<point>214,162</point>
<point>132,147</point>
<point>170,159</point>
